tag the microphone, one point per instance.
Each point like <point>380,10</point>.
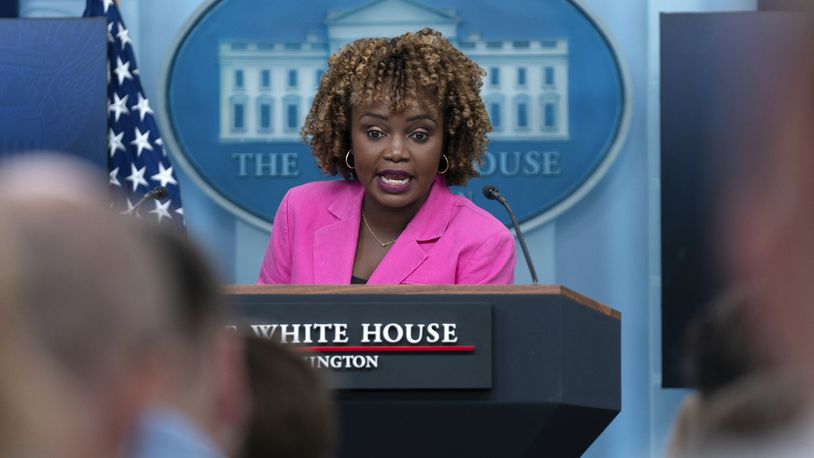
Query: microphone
<point>159,192</point>
<point>491,193</point>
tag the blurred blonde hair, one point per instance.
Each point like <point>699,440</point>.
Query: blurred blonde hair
<point>31,404</point>
<point>74,336</point>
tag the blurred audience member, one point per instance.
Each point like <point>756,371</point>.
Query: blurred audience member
<point>719,345</point>
<point>200,409</point>
<point>767,213</point>
<point>732,377</point>
<point>767,240</point>
<point>82,293</point>
<point>293,414</point>
<point>128,314</point>
<point>28,384</point>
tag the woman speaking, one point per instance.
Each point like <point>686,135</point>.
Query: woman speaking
<point>400,120</point>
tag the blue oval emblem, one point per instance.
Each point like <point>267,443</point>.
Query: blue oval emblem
<point>244,72</point>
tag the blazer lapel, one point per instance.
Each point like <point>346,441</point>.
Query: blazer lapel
<point>335,243</point>
<point>405,257</point>
<point>412,246</point>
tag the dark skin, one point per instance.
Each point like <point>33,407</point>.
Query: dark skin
<point>396,158</point>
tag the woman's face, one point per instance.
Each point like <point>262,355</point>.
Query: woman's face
<point>396,155</point>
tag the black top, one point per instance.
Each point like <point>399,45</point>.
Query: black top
<point>357,280</point>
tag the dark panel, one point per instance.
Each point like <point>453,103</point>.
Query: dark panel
<point>9,8</point>
<point>53,92</point>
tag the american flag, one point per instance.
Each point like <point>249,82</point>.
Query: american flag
<point>137,161</point>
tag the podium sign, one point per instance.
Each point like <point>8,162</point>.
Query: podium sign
<point>553,362</point>
<point>372,343</point>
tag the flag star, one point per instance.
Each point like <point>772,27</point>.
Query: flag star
<point>158,141</point>
<point>122,70</point>
<point>162,210</point>
<point>130,209</point>
<point>164,176</point>
<point>142,142</point>
<point>118,106</point>
<point>114,180</point>
<point>114,142</point>
<point>143,107</point>
<point>107,4</point>
<point>123,36</point>
<point>180,211</point>
<point>137,176</point>
<point>136,72</point>
<point>110,32</point>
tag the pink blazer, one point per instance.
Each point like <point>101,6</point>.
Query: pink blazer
<point>449,241</point>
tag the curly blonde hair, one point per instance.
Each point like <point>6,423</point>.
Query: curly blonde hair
<point>400,71</point>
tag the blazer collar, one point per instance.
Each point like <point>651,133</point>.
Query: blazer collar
<point>335,243</point>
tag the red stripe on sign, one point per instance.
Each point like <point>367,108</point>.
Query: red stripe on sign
<point>392,349</point>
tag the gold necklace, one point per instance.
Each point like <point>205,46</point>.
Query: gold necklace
<point>383,244</point>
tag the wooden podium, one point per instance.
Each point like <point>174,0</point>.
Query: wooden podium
<point>532,370</point>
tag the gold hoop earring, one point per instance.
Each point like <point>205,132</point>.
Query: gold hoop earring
<point>446,169</point>
<point>347,161</point>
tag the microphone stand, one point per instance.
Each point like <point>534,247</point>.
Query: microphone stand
<point>492,193</point>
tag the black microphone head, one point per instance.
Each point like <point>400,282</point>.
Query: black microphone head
<point>159,192</point>
<point>491,192</point>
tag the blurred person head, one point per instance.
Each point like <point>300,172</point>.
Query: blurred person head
<point>204,378</point>
<point>720,345</point>
<point>734,375</point>
<point>741,396</point>
<point>27,381</point>
<point>293,413</point>
<point>84,290</point>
